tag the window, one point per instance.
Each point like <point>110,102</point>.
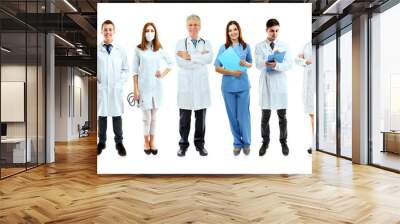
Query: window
<point>327,96</point>
<point>346,93</point>
<point>385,89</point>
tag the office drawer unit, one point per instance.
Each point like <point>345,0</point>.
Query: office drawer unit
<point>391,141</point>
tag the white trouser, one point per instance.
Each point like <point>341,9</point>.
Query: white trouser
<point>149,121</point>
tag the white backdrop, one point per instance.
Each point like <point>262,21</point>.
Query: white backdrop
<point>170,20</point>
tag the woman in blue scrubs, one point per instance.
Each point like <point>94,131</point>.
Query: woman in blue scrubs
<point>236,88</point>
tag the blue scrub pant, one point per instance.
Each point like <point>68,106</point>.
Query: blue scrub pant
<point>237,106</point>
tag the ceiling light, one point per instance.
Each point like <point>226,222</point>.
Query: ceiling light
<point>5,50</point>
<point>84,71</point>
<point>64,40</point>
<point>70,5</point>
<point>338,6</point>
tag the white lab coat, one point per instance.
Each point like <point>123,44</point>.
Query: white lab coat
<point>309,79</point>
<point>145,65</point>
<point>112,73</point>
<point>193,86</point>
<point>273,90</point>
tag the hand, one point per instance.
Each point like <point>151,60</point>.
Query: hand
<point>158,74</point>
<point>308,62</point>
<point>243,63</point>
<point>270,64</point>
<point>236,73</point>
<point>183,54</point>
<point>136,94</point>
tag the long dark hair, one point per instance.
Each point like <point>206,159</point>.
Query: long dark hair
<point>228,39</point>
<point>156,43</point>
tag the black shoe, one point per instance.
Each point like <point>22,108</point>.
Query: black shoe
<point>263,149</point>
<point>309,151</point>
<point>182,152</point>
<point>285,149</point>
<point>202,151</point>
<point>154,151</point>
<point>121,149</point>
<point>100,147</point>
<point>147,151</point>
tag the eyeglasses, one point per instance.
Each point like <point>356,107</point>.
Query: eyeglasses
<point>132,102</point>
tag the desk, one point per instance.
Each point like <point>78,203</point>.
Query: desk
<point>15,148</point>
<point>391,141</point>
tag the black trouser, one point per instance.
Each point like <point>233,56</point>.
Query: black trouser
<point>265,131</point>
<point>184,127</point>
<point>117,127</point>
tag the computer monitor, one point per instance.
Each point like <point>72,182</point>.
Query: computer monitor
<point>3,129</point>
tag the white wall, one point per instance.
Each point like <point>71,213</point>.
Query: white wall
<point>33,127</point>
<point>68,83</point>
<point>15,73</point>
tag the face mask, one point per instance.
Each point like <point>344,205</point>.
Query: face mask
<point>149,36</point>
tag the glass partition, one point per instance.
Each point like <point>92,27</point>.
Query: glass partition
<point>385,89</point>
<point>327,96</point>
<point>346,93</point>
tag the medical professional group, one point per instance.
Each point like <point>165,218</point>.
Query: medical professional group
<point>193,54</point>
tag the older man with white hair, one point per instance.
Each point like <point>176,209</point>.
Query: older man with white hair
<point>193,54</point>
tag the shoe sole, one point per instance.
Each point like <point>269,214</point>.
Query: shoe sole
<point>181,155</point>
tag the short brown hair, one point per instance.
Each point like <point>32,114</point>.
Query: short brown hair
<point>272,22</point>
<point>107,22</point>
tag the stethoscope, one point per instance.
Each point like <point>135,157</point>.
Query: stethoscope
<point>200,40</point>
<point>132,102</point>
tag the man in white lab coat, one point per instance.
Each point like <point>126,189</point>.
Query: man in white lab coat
<point>193,54</point>
<point>304,59</point>
<point>273,84</point>
<point>112,73</point>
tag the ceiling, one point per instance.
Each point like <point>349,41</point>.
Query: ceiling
<point>75,22</point>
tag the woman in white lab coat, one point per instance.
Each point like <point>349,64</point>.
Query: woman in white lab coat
<point>193,54</point>
<point>147,60</point>
<point>304,59</point>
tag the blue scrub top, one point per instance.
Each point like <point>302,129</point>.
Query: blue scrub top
<point>231,83</point>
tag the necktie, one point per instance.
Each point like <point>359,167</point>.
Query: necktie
<point>272,45</point>
<point>194,42</point>
<point>108,47</point>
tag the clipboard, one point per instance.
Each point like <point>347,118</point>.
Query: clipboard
<point>276,56</point>
<point>230,60</point>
